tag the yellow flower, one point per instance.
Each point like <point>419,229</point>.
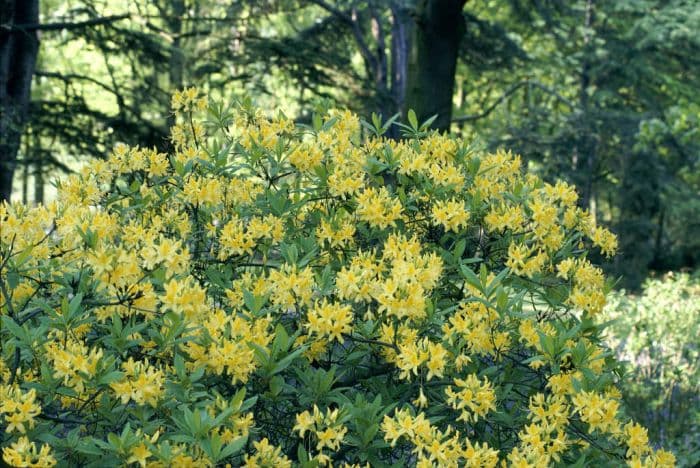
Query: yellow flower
<point>139,454</point>
<point>599,412</point>
<point>564,268</point>
<point>142,383</point>
<point>637,440</point>
<point>378,208</point>
<point>266,454</point>
<point>306,157</point>
<point>330,320</point>
<point>473,398</point>
<point>451,214</point>
<point>391,430</point>
<point>24,453</point>
<point>421,401</point>
<point>304,423</point>
<point>19,408</point>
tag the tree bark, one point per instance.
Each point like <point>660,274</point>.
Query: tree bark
<point>18,52</point>
<point>584,154</point>
<point>176,64</point>
<point>401,32</point>
<point>432,62</point>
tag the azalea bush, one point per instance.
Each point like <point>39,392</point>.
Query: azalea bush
<point>269,294</point>
<point>657,334</point>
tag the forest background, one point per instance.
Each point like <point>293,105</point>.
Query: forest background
<point>603,94</point>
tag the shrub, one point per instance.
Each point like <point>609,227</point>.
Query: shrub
<point>656,333</point>
<point>270,293</point>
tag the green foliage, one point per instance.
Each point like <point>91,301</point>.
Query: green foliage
<point>269,294</point>
<point>657,333</point>
<point>605,99</point>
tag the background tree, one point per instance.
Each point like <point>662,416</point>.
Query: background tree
<point>606,99</point>
<point>19,44</point>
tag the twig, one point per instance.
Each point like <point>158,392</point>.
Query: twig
<point>64,25</point>
<point>369,341</point>
<point>508,92</point>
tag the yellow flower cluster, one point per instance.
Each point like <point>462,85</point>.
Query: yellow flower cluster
<point>336,234</point>
<point>589,282</point>
<point>522,261</point>
<point>503,217</point>
<point>290,286</point>
<point>201,191</point>
<point>185,297</point>
<point>473,398</point>
<point>306,157</point>
<point>330,321</point>
<point>478,325</point>
<point>142,383</point>
<point>450,214</point>
<point>19,408</point>
<point>266,455</point>
<point>604,239</point>
<point>265,133</point>
<point>378,208</point>
<point>434,447</point>
<point>412,355</point>
<point>316,266</point>
<point>544,440</point>
<point>399,280</point>
<point>189,99</point>
<point>73,363</point>
<point>239,238</point>
<point>598,411</point>
<point>326,428</point>
<point>25,453</point>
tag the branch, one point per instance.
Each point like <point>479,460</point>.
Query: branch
<point>359,339</point>
<point>73,76</point>
<point>350,20</point>
<point>508,92</point>
<point>65,25</point>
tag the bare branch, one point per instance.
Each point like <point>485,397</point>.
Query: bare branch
<point>351,20</point>
<point>510,91</point>
<point>63,25</point>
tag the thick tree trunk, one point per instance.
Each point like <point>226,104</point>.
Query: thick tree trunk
<point>584,155</point>
<point>401,31</point>
<point>176,65</point>
<point>18,52</point>
<point>435,40</point>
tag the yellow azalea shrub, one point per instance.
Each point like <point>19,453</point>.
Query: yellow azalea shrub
<point>272,294</point>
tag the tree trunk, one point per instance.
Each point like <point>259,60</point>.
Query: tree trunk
<point>432,62</point>
<point>401,31</point>
<point>18,52</point>
<point>584,156</point>
<point>176,64</point>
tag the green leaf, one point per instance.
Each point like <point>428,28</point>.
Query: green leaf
<point>459,247</point>
<point>261,353</point>
<point>74,305</point>
<point>471,277</point>
<point>276,385</point>
<point>233,448</point>
<point>18,332</point>
<point>110,377</point>
<point>283,363</point>
<point>412,119</point>
<point>426,125</point>
<point>547,343</point>
<point>214,275</point>
<point>281,341</point>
